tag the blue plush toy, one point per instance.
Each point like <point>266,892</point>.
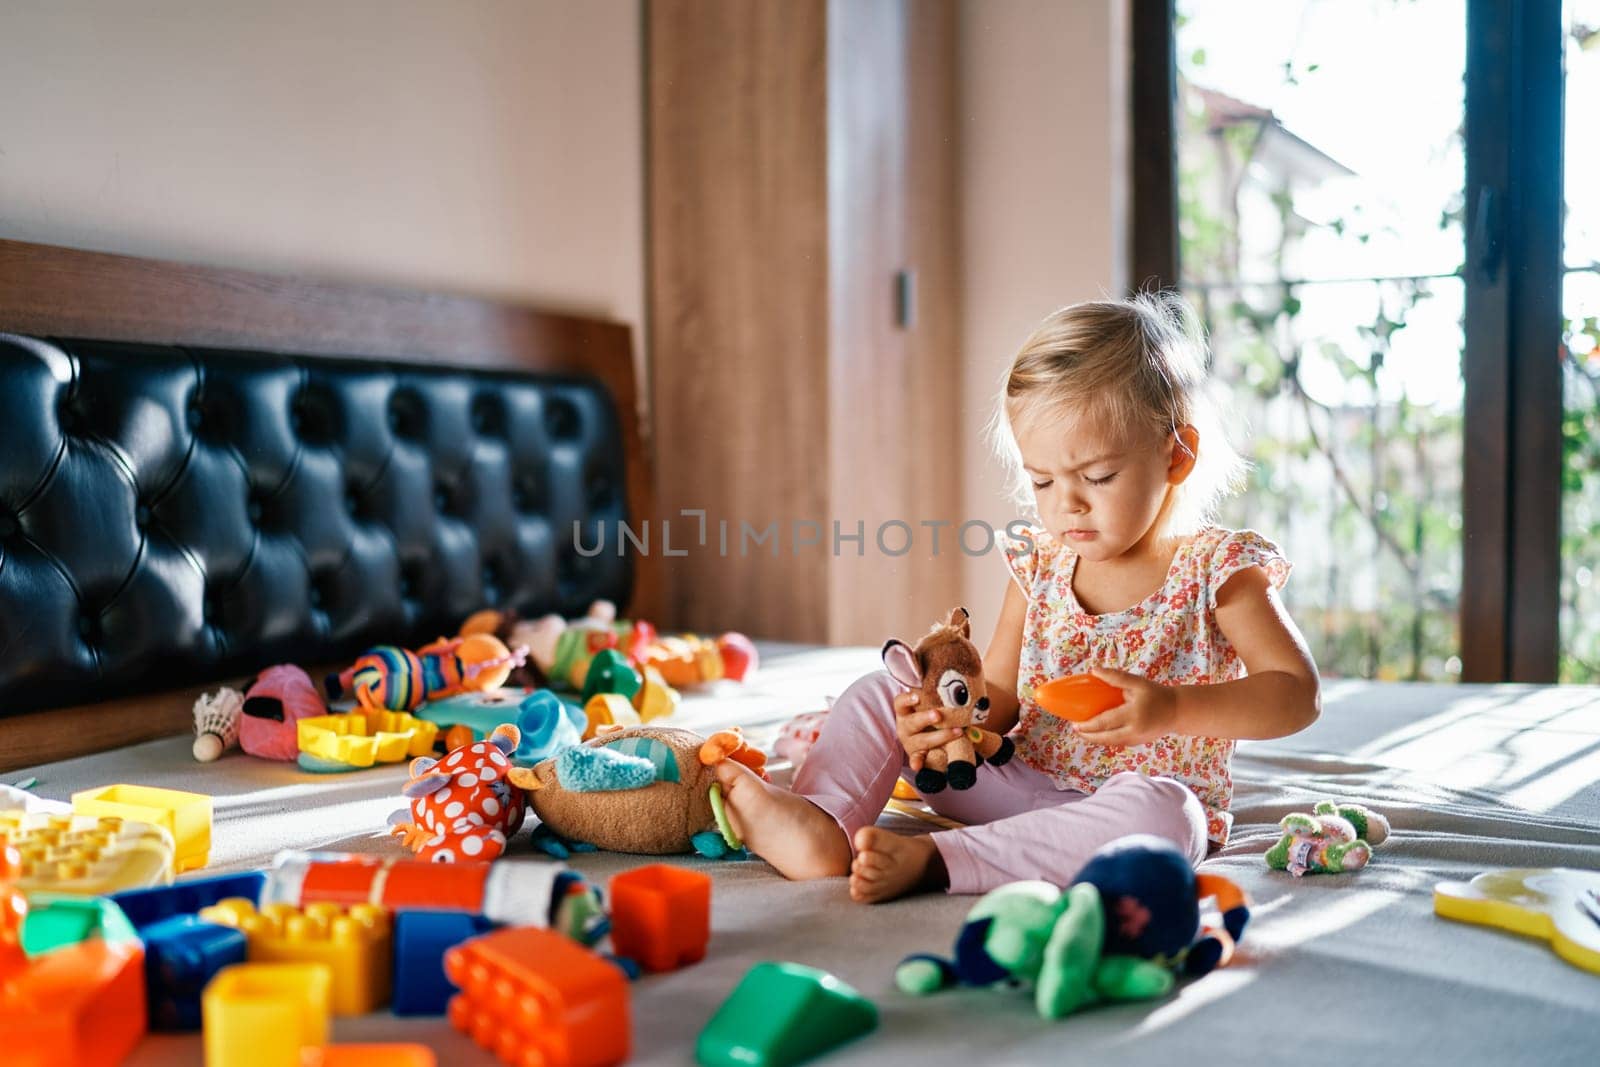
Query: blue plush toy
<point>1120,932</point>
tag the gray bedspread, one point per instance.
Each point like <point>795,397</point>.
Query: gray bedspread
<point>1351,968</point>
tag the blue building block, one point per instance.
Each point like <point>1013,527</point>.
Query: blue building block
<point>146,906</point>
<point>420,941</point>
<point>181,954</point>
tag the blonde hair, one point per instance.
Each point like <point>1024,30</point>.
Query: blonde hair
<point>1138,364</point>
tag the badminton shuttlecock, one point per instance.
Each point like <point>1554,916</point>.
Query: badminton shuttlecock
<point>216,723</point>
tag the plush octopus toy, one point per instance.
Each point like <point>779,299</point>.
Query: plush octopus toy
<point>463,805</point>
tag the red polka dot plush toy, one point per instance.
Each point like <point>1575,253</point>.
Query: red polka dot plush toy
<point>463,805</point>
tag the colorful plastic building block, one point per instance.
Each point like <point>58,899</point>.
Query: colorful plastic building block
<point>377,1055</point>
<point>661,916</point>
<point>79,1004</point>
<point>782,1014</point>
<point>186,816</point>
<point>354,943</point>
<point>536,999</point>
<point>181,955</point>
<point>55,920</point>
<point>264,1014</point>
<point>421,938</point>
<point>146,906</point>
<point>86,854</point>
<point>362,738</point>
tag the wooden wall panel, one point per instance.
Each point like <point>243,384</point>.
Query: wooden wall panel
<point>894,209</point>
<point>737,198</point>
<point>799,156</point>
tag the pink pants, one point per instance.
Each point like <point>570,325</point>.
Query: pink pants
<point>1020,825</point>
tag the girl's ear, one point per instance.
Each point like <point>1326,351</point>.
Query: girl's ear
<point>1185,451</point>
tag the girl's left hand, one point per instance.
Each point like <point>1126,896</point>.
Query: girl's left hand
<point>1147,711</point>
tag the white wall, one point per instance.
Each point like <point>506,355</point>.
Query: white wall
<point>491,147</point>
<point>1043,177</point>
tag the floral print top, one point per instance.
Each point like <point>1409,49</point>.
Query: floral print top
<point>1170,637</point>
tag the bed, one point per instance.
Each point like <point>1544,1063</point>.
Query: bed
<point>1354,967</point>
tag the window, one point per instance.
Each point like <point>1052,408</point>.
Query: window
<point>1362,197</point>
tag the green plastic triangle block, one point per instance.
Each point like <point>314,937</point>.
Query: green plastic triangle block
<point>782,1014</point>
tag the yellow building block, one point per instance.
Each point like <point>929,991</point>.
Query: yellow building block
<point>86,855</point>
<point>354,943</point>
<point>362,739</point>
<point>186,816</point>
<point>263,1014</point>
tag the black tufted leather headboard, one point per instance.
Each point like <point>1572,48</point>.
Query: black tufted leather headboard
<point>170,516</point>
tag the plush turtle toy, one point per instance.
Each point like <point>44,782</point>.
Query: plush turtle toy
<point>1121,932</point>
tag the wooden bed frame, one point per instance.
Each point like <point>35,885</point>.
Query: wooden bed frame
<point>61,292</point>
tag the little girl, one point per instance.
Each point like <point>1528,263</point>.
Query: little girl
<point>1104,411</point>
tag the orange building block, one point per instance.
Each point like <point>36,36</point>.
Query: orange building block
<point>661,916</point>
<point>537,999</point>
<point>356,943</point>
<point>375,1055</point>
<point>79,1006</point>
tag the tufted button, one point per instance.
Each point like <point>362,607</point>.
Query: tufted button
<point>89,628</point>
<point>491,582</point>
<point>352,502</point>
<point>599,490</point>
<point>314,415</point>
<point>561,420</point>
<point>10,524</point>
<point>525,493</point>
<point>141,516</point>
<point>194,412</point>
<point>488,415</point>
<point>410,580</point>
<point>443,498</point>
<point>256,508</point>
<point>408,414</point>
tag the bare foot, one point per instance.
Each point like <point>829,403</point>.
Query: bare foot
<point>888,865</point>
<point>788,831</point>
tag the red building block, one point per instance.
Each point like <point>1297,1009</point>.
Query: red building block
<point>661,916</point>
<point>537,999</point>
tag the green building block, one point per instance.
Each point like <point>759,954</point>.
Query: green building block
<point>782,1014</point>
<point>57,921</point>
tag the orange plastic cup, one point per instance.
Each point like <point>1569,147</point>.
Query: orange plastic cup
<point>1077,697</point>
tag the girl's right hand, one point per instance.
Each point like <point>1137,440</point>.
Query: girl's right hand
<point>918,730</point>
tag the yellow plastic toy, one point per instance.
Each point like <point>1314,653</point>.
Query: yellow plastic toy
<point>263,1014</point>
<point>608,709</point>
<point>86,855</point>
<point>1555,904</point>
<point>186,816</point>
<point>354,944</point>
<point>362,738</point>
<point>655,698</point>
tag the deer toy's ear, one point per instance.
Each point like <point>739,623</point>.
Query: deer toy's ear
<point>902,664</point>
<point>961,622</point>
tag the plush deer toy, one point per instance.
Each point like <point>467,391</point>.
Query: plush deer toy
<point>947,669</point>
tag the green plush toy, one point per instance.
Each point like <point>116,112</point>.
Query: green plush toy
<point>1335,838</point>
<point>1038,935</point>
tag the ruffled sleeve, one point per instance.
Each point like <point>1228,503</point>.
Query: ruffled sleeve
<point>1022,554</point>
<point>1241,550</point>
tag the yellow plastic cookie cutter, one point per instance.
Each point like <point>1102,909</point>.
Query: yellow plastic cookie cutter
<point>1555,904</point>
<point>360,740</point>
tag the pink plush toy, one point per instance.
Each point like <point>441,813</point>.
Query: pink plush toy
<point>463,806</point>
<point>274,703</point>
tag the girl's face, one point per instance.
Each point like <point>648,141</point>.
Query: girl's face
<point>1099,491</point>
